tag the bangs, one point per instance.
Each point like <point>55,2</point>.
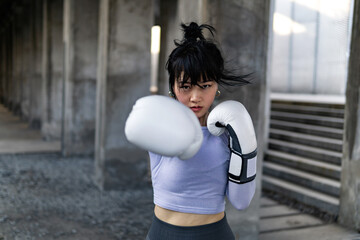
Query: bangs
<point>195,68</point>
<point>197,59</point>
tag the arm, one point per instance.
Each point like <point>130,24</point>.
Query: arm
<point>231,116</point>
<point>240,195</point>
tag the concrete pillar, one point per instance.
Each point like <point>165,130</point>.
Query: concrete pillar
<point>172,14</point>
<point>35,88</point>
<point>123,75</point>
<point>52,69</point>
<point>3,64</point>
<point>27,63</point>
<point>9,65</point>
<point>2,69</point>
<point>15,92</point>
<point>242,30</point>
<point>80,37</point>
<point>45,63</point>
<point>349,214</point>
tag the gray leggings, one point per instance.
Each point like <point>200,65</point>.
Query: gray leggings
<point>160,230</point>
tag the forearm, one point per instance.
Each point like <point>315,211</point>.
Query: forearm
<point>240,195</point>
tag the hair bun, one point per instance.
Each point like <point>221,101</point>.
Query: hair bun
<point>192,32</point>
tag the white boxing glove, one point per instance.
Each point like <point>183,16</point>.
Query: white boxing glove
<point>164,126</point>
<point>232,116</point>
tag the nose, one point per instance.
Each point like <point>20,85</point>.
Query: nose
<point>195,95</point>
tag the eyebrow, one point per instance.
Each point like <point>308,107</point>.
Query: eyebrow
<point>188,81</point>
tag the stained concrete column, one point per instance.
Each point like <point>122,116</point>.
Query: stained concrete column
<point>35,72</point>
<point>80,37</point>
<point>9,65</point>
<point>27,63</point>
<point>17,66</point>
<point>52,69</point>
<point>349,214</point>
<point>2,68</point>
<point>172,14</point>
<point>123,75</point>
<point>242,30</point>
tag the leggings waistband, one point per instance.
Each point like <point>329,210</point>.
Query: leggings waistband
<point>161,230</point>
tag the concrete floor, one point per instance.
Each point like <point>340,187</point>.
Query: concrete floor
<point>17,137</point>
<point>45,196</point>
<point>281,222</point>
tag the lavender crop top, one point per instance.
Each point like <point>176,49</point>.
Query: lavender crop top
<point>199,184</point>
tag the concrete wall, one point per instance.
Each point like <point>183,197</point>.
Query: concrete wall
<point>80,37</point>
<point>349,214</point>
<point>8,65</point>
<point>22,58</point>
<point>35,108</point>
<point>310,46</point>
<point>17,66</point>
<point>172,14</point>
<point>123,75</point>
<point>243,34</point>
<point>26,61</point>
<point>242,30</point>
<point>3,81</point>
<point>303,48</point>
<point>333,46</point>
<point>53,59</point>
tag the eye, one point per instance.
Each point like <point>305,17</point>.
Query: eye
<point>205,86</point>
<point>185,87</point>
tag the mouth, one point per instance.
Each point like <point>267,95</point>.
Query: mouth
<point>196,108</point>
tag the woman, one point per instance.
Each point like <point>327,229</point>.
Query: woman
<point>189,195</point>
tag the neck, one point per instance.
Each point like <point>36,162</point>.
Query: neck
<point>203,119</point>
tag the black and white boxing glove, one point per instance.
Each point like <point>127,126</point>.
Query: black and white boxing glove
<point>164,126</point>
<point>233,117</point>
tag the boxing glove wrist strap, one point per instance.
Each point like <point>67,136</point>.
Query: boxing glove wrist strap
<point>247,172</point>
<point>242,167</point>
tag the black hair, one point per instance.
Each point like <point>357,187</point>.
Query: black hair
<point>199,58</point>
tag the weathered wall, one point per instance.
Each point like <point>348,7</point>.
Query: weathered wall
<point>305,36</point>
<point>172,14</point>
<point>123,77</point>
<point>35,104</point>
<point>242,28</point>
<point>242,32</point>
<point>80,36</point>
<point>3,81</point>
<point>53,59</point>
<point>27,62</point>
<point>349,214</point>
<point>8,65</point>
<point>17,66</point>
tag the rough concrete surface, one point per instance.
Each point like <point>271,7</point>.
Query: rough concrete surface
<point>44,196</point>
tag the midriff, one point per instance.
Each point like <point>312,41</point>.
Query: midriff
<point>186,219</point>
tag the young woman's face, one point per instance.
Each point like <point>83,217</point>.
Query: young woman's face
<point>197,97</point>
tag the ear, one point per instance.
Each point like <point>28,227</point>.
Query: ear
<point>171,94</point>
